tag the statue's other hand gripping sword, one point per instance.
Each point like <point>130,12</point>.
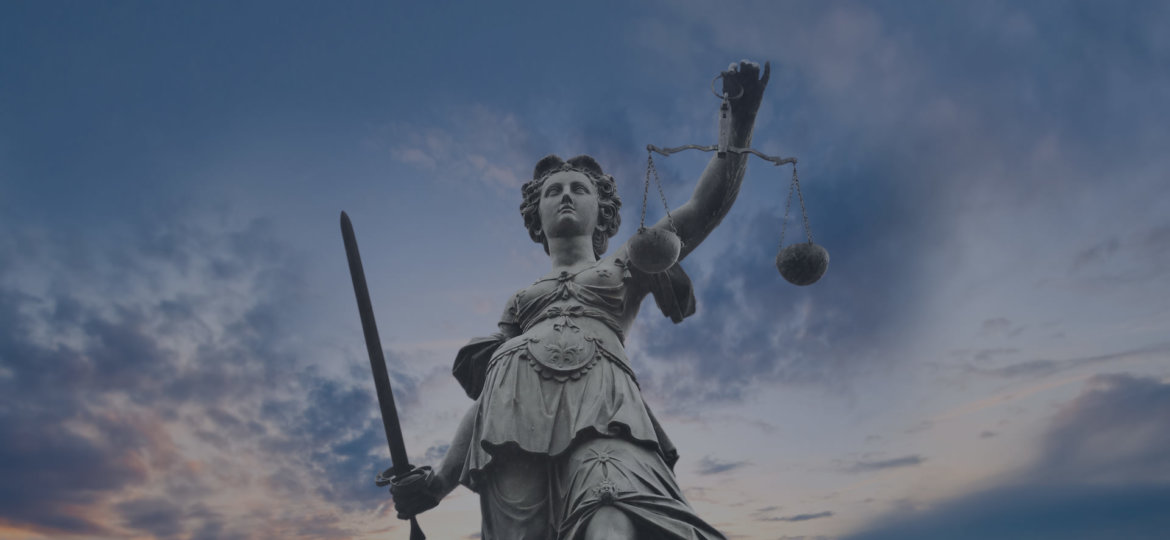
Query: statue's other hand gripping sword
<point>401,465</point>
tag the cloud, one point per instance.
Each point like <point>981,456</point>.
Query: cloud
<point>1103,473</point>
<point>1140,256</point>
<point>155,515</point>
<point>999,326</point>
<point>799,517</point>
<point>63,455</point>
<point>178,397</point>
<point>869,466</point>
<point>1096,253</point>
<point>709,465</point>
<point>1044,367</point>
<point>1080,512</point>
<point>435,453</point>
<point>1114,432</point>
<point>983,355</point>
<point>752,327</point>
<point>474,144</point>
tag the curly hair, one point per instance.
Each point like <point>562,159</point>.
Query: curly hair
<point>608,202</point>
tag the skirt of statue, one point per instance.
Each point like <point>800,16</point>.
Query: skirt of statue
<point>581,443</point>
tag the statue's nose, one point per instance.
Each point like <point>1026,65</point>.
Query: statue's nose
<point>566,198</point>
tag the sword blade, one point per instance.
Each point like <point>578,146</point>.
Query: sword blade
<point>374,348</point>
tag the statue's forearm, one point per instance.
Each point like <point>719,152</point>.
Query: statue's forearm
<point>452,465</point>
<point>720,182</point>
<point>716,190</point>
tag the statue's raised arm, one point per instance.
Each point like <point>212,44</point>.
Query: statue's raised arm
<point>719,184</point>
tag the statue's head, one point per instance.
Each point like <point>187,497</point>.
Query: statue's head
<point>559,188</point>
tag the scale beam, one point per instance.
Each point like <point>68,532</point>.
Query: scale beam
<point>776,160</point>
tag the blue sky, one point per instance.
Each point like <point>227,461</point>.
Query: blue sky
<point>180,357</point>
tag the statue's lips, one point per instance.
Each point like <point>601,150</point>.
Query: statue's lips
<point>564,209</point>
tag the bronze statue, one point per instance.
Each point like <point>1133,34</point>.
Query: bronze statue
<point>559,442</point>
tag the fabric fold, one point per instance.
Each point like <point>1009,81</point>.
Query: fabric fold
<point>471,362</point>
<point>672,290</point>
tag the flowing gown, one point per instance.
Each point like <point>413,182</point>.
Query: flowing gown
<point>560,427</point>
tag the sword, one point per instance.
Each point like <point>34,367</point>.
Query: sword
<point>401,464</point>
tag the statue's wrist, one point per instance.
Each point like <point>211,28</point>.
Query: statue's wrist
<point>741,135</point>
<point>743,120</point>
<point>742,124</point>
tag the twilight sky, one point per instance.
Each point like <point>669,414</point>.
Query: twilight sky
<point>987,356</point>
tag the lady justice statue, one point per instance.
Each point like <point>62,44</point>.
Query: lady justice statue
<point>559,443</point>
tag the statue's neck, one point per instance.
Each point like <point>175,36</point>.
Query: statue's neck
<point>572,251</point>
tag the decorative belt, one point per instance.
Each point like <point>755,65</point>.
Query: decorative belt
<point>567,351</point>
<point>560,363</point>
<point>572,312</point>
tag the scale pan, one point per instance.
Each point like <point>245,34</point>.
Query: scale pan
<point>803,263</point>
<point>654,250</point>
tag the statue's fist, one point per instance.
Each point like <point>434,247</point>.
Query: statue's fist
<point>743,83</point>
<point>415,492</point>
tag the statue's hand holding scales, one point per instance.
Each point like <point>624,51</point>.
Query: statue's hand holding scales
<point>656,249</point>
<point>744,80</point>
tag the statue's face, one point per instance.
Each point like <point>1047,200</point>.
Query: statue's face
<point>568,205</point>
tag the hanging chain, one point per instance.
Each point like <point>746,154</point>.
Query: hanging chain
<point>795,186</point>
<point>803,212</point>
<point>646,187</point>
<point>787,206</point>
<point>665,207</point>
<point>650,169</point>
